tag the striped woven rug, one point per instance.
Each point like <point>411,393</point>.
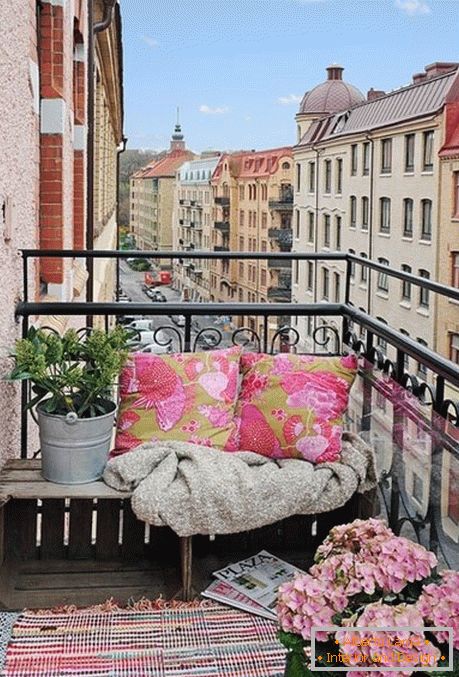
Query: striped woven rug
<point>201,639</point>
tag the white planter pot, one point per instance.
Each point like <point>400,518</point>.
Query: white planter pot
<point>74,450</point>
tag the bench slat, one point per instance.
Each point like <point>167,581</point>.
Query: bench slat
<point>52,529</point>
<point>40,488</point>
<point>80,534</point>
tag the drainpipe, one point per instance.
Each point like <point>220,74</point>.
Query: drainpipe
<point>93,29</point>
<point>121,148</point>
<point>370,219</point>
<point>316,229</point>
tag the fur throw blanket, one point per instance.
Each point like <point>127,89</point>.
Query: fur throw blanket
<point>197,490</point>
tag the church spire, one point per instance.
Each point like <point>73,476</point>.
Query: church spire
<point>177,140</point>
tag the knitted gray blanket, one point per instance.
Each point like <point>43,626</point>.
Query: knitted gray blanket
<point>197,490</point>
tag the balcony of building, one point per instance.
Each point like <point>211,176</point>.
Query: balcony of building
<point>279,294</point>
<point>222,201</point>
<point>279,264</point>
<point>222,226</point>
<point>411,426</point>
<point>221,248</point>
<point>284,201</point>
<point>282,237</point>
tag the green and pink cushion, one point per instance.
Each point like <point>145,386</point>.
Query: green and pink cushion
<point>187,397</point>
<point>292,406</point>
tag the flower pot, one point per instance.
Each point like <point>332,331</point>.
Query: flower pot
<point>74,450</point>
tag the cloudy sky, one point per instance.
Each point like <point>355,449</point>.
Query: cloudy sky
<point>238,68</point>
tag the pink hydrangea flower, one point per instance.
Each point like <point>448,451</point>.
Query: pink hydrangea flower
<point>439,605</point>
<point>389,648</point>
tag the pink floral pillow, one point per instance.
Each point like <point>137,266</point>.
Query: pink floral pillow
<point>187,396</point>
<point>292,406</point>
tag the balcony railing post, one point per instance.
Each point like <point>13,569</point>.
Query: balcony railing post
<point>24,394</point>
<point>187,336</point>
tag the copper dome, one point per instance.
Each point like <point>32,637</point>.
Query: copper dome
<point>332,95</point>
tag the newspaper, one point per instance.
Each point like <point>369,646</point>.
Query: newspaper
<point>221,591</point>
<point>258,577</point>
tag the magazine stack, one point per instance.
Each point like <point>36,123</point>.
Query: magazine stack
<point>251,584</point>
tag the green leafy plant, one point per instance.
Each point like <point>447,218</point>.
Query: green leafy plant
<point>74,372</point>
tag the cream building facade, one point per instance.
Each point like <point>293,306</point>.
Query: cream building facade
<point>152,197</point>
<point>253,196</point>
<point>192,226</point>
<point>368,181</point>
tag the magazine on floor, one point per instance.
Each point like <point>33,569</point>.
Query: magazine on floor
<point>221,591</point>
<point>258,578</point>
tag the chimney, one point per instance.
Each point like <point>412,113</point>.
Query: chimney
<point>375,94</point>
<point>335,72</point>
<point>419,77</point>
<point>439,68</point>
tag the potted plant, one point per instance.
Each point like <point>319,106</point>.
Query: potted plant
<point>72,378</point>
<point>365,579</point>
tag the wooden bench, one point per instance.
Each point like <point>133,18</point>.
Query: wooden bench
<point>81,544</point>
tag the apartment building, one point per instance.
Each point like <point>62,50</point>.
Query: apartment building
<point>46,116</point>
<point>448,250</point>
<point>253,196</point>
<point>192,226</point>
<point>368,181</point>
<point>152,196</point>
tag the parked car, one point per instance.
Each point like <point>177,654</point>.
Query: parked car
<point>124,298</point>
<point>155,349</point>
<point>141,325</point>
<point>158,295</point>
<point>178,320</point>
<point>150,338</point>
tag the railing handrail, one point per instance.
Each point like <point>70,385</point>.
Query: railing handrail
<point>346,257</point>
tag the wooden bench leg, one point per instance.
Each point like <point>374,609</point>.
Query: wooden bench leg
<point>186,563</point>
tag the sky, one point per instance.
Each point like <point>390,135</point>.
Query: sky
<point>237,69</point>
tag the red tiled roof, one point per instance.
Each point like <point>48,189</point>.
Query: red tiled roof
<point>253,164</point>
<point>166,166</point>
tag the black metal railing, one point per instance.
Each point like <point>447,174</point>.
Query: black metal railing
<point>223,201</point>
<point>223,226</point>
<point>431,402</point>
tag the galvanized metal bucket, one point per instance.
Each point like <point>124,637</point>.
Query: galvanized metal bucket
<point>74,450</point>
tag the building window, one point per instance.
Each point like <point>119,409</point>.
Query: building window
<point>298,177</point>
<point>366,159</point>
<point>337,285</point>
<point>407,217</point>
<point>241,218</point>
<point>427,154</point>
<point>263,277</point>
<point>365,212</point>
<point>454,348</point>
<point>296,272</point>
<point>338,233</point>
<point>406,359</point>
<point>363,269</point>
<point>386,156</point>
<point>264,219</point>
<point>325,283</point>
<point>339,176</point>
<point>406,286</point>
<point>327,176</point>
<point>312,177</point>
<point>241,270</point>
<point>409,152</point>
<point>352,264</point>
<point>422,369</point>
<point>455,275</point>
<point>383,280</point>
<point>456,194</point>
<point>326,230</point>
<point>353,159</point>
<point>382,343</point>
<point>241,243</point>
<point>241,294</point>
<point>310,283</point>
<point>424,293</point>
<point>297,224</point>
<point>310,226</point>
<point>384,215</point>
<point>353,211</point>
<point>426,222</point>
